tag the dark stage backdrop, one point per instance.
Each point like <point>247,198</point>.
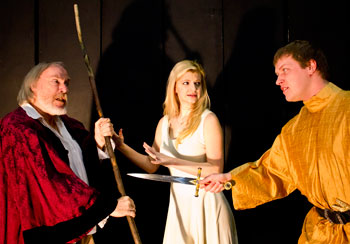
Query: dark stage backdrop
<point>133,44</point>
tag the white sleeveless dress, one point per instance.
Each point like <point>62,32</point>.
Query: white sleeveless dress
<point>206,219</point>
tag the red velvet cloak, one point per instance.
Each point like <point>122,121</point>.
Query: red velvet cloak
<point>37,186</point>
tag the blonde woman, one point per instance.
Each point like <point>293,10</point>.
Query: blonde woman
<point>188,136</point>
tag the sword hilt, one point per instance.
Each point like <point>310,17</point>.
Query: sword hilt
<point>197,181</point>
<point>228,184</point>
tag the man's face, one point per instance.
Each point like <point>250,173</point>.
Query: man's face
<point>51,89</point>
<point>294,80</point>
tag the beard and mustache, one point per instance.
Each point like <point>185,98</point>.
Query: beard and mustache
<point>47,104</point>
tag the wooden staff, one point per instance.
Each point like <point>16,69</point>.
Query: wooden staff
<point>110,151</point>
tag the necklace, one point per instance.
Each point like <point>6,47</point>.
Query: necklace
<point>177,125</point>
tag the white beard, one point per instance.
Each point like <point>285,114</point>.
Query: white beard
<point>51,109</point>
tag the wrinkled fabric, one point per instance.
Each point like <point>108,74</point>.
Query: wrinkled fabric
<point>311,154</point>
<point>38,188</point>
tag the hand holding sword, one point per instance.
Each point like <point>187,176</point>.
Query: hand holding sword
<point>227,185</point>
<point>215,182</point>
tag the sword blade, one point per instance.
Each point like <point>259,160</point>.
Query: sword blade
<point>165,178</point>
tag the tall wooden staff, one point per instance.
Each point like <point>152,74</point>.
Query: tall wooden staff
<point>116,171</point>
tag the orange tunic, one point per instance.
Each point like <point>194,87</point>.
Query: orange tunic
<point>311,154</point>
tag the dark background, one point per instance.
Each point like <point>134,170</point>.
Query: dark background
<point>133,44</point>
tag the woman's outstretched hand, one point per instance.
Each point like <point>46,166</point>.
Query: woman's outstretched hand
<point>118,138</point>
<point>158,158</point>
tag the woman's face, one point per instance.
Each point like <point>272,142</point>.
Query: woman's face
<point>188,88</point>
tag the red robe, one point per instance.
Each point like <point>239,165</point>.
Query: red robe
<point>41,199</point>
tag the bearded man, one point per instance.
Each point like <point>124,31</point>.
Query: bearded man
<point>51,168</point>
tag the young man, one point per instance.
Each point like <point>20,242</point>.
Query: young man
<point>51,187</point>
<point>311,153</point>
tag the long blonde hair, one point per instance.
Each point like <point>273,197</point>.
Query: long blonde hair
<point>171,105</point>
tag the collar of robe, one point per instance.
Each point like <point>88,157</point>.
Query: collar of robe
<point>322,99</point>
